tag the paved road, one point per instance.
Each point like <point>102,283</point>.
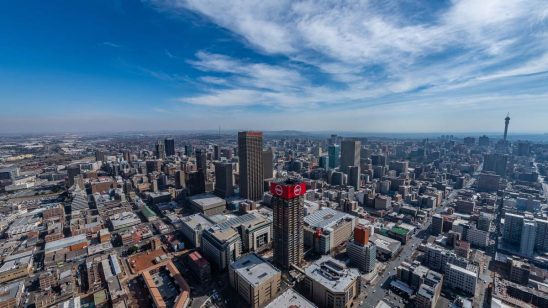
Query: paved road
<point>375,291</point>
<point>378,290</point>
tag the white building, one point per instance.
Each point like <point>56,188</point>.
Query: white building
<point>464,279</point>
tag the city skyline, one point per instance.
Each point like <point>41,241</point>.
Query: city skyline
<point>438,66</point>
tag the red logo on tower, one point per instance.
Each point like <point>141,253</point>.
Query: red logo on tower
<point>286,191</point>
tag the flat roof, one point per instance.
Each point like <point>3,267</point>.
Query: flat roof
<point>462,270</point>
<point>254,269</point>
<point>65,242</point>
<point>325,218</point>
<point>207,201</point>
<point>332,274</point>
<point>197,220</point>
<point>290,298</point>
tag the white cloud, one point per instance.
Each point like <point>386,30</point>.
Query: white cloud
<point>364,53</point>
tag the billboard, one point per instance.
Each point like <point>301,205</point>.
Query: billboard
<point>286,191</point>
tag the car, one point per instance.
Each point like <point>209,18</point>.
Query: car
<point>374,291</point>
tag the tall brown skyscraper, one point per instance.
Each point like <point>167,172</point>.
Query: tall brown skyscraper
<point>250,153</point>
<point>350,154</point>
<point>288,211</point>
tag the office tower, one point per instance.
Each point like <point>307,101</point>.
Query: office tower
<point>488,182</point>
<point>541,237</point>
<point>268,164</point>
<point>160,150</point>
<point>484,221</point>
<point>250,154</point>
<point>506,122</point>
<point>524,148</point>
<point>495,162</point>
<point>400,166</point>
<point>437,225</point>
<point>354,177</point>
<point>483,141</point>
<point>350,154</point>
<point>364,257</point>
<point>527,243</point>
<point>196,183</point>
<point>72,171</point>
<point>188,150</point>
<point>216,152</point>
<point>169,145</point>
<point>288,216</point>
<point>323,162</point>
<point>333,152</point>
<point>201,161</point>
<point>180,179</point>
<point>513,226</point>
<point>224,180</point>
<point>99,155</point>
<point>378,160</point>
<point>127,155</point>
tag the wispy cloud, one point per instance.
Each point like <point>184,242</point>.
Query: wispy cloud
<point>111,44</point>
<point>369,53</point>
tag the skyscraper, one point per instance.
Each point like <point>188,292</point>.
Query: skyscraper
<point>354,177</point>
<point>333,154</point>
<point>201,161</point>
<point>224,179</point>
<point>250,153</point>
<point>527,243</point>
<point>268,164</point>
<point>362,252</point>
<point>169,145</point>
<point>288,212</point>
<point>160,150</point>
<point>350,154</point>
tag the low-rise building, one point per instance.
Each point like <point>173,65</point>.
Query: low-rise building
<point>208,204</point>
<point>256,280</point>
<point>461,278</point>
<point>329,283</point>
<point>193,226</point>
<point>326,229</point>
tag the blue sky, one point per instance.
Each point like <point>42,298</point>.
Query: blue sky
<point>368,66</point>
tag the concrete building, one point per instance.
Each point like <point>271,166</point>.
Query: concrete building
<point>327,228</point>
<point>478,238</point>
<point>250,154</point>
<point>224,180</point>
<point>256,280</point>
<point>488,182</point>
<point>386,247</point>
<point>329,283</point>
<point>527,242</point>
<point>541,237</point>
<point>192,227</point>
<point>208,204</point>
<point>221,246</point>
<point>364,257</point>
<point>169,145</point>
<point>12,294</point>
<point>350,154</point>
<point>288,224</point>
<point>437,225</point>
<point>354,177</point>
<point>513,225</point>
<point>268,164</point>
<point>290,298</point>
<point>461,278</point>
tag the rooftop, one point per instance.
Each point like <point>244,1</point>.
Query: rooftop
<point>254,269</point>
<point>325,218</point>
<point>207,201</point>
<point>332,274</point>
<point>290,298</point>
